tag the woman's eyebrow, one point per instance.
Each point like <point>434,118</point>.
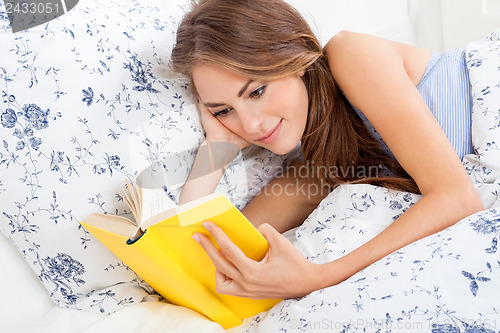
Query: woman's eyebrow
<point>214,105</point>
<point>242,91</point>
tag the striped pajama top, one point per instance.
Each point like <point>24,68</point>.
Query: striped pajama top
<point>445,87</point>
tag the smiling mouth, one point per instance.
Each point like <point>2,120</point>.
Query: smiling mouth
<point>271,136</point>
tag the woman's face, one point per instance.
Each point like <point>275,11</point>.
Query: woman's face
<point>270,114</point>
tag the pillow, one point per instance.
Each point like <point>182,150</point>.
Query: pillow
<point>483,63</point>
<point>88,101</point>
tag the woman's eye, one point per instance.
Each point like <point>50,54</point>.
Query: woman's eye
<point>221,113</point>
<point>258,92</point>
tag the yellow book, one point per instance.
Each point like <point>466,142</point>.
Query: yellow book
<point>160,249</point>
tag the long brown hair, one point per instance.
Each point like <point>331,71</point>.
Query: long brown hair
<point>267,40</point>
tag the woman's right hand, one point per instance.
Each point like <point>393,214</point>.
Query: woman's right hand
<point>208,167</point>
<point>216,131</point>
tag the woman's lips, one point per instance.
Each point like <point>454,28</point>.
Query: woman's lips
<point>271,136</point>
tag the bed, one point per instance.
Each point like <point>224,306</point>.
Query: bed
<point>88,101</point>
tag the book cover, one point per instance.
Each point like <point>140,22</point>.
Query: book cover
<point>168,259</point>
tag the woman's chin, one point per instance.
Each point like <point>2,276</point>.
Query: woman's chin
<point>279,150</point>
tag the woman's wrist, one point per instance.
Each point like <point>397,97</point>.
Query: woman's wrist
<point>315,277</point>
<point>211,161</point>
<point>331,273</point>
<point>234,140</point>
<point>218,154</point>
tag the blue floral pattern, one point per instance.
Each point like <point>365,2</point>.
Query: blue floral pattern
<point>87,101</point>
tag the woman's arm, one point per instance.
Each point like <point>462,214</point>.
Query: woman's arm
<point>209,165</point>
<point>379,77</point>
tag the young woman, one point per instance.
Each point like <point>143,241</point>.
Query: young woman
<point>261,77</point>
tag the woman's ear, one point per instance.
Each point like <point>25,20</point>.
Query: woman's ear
<point>301,72</point>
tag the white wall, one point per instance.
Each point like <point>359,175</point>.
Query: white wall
<point>468,20</point>
<point>385,18</point>
<point>433,24</point>
<point>446,24</point>
<point>426,19</point>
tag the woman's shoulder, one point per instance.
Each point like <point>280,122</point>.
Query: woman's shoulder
<point>347,50</point>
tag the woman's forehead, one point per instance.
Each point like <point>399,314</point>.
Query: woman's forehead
<point>210,76</point>
<point>209,70</point>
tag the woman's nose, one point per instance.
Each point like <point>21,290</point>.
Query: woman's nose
<point>252,120</point>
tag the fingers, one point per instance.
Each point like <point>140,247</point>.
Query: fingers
<point>278,244</point>
<point>206,117</point>
<point>265,229</point>
<point>220,262</point>
<point>224,284</point>
<point>282,269</point>
<point>216,130</point>
<point>229,260</point>
<point>226,245</point>
<point>270,234</point>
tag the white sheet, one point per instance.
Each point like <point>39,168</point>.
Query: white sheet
<point>26,303</point>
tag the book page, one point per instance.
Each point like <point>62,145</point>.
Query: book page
<point>132,197</point>
<point>154,202</point>
<point>111,223</point>
<point>187,219</point>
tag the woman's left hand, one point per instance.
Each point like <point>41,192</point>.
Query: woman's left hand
<point>282,273</point>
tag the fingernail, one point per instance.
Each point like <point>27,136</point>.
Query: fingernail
<point>206,225</point>
<point>196,237</point>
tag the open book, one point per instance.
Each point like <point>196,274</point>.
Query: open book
<point>160,249</point>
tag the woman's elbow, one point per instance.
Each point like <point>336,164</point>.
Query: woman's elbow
<point>468,201</point>
<point>455,202</point>
<point>475,203</point>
